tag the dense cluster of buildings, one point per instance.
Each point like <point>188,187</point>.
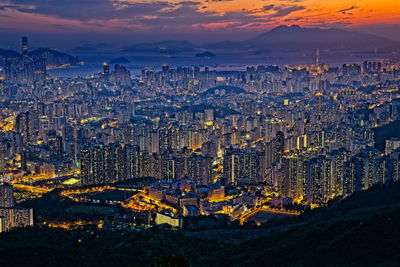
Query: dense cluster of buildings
<point>190,199</point>
<point>308,133</point>
<point>25,69</point>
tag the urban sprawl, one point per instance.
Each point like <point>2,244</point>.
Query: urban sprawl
<point>181,142</point>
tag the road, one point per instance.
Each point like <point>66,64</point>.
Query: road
<point>244,217</point>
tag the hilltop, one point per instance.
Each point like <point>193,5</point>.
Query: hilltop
<point>361,230</point>
<point>296,38</point>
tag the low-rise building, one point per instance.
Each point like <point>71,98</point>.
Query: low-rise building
<point>165,217</point>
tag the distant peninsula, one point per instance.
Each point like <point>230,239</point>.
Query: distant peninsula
<point>206,54</point>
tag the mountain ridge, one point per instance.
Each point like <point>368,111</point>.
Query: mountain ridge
<point>297,38</point>
<point>53,57</point>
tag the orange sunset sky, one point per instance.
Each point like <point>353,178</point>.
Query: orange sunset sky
<point>196,18</point>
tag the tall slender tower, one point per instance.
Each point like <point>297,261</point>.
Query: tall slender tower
<point>24,46</point>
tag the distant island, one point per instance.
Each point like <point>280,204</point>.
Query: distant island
<point>173,47</point>
<point>119,60</point>
<point>206,54</point>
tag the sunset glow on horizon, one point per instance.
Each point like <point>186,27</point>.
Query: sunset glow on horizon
<point>117,16</point>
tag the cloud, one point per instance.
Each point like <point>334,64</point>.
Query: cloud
<point>6,5</point>
<point>282,11</point>
<point>209,1</point>
<point>166,16</point>
<point>346,10</point>
<point>269,7</point>
<point>191,12</point>
<point>90,9</point>
<point>158,15</point>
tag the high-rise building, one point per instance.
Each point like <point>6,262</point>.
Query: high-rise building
<point>209,115</point>
<point>317,188</point>
<point>353,175</point>
<point>270,155</point>
<point>24,47</point>
<point>97,165</point>
<point>3,158</point>
<point>22,125</point>
<point>85,167</point>
<point>106,71</point>
<point>391,144</point>
<point>369,155</point>
<point>2,224</point>
<point>6,195</point>
<point>17,217</point>
<point>200,169</point>
<point>292,182</point>
<point>279,141</point>
<point>384,169</point>
<point>338,157</point>
<point>133,161</point>
<point>120,164</point>
<point>55,147</point>
<point>109,164</point>
<point>241,165</point>
<point>120,75</point>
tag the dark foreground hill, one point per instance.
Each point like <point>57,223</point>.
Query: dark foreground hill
<point>349,233</point>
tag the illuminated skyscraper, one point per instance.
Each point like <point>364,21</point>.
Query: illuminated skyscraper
<point>279,143</point>
<point>353,175</point>
<point>239,164</point>
<point>317,188</point>
<point>86,170</point>
<point>292,181</point>
<point>24,46</point>
<point>3,156</point>
<point>97,165</point>
<point>106,70</point>
<point>22,125</point>
<point>120,164</point>
<point>109,164</point>
<point>56,147</point>
<point>338,157</point>
<point>200,169</point>
<point>132,161</point>
<point>6,196</point>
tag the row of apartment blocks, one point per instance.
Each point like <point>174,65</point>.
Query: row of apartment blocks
<point>319,178</point>
<point>301,175</point>
<point>114,163</point>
